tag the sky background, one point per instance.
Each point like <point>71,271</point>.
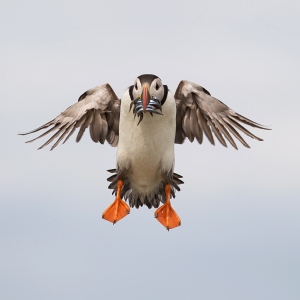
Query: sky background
<point>240,210</point>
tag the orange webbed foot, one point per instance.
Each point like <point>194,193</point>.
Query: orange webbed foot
<point>165,214</point>
<point>118,209</point>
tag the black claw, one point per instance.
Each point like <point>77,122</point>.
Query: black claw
<point>114,222</point>
<point>168,228</point>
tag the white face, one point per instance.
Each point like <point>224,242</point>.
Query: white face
<point>155,89</point>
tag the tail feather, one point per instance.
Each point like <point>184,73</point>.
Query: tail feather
<point>136,200</point>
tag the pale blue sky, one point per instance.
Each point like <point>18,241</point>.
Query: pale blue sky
<point>240,210</point>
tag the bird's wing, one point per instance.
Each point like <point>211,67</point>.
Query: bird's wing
<point>198,112</point>
<point>97,108</point>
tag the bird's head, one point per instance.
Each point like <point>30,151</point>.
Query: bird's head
<point>148,95</point>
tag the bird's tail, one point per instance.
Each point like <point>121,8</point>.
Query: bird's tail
<point>137,200</point>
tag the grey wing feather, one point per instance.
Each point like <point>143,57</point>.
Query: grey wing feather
<point>198,112</point>
<point>97,108</point>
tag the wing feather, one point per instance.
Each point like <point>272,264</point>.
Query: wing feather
<point>56,127</point>
<point>97,108</point>
<point>88,120</point>
<point>95,127</point>
<point>53,137</point>
<point>216,131</point>
<point>225,132</point>
<point>204,126</point>
<point>61,136</point>
<point>194,125</point>
<point>243,129</point>
<point>198,112</point>
<point>186,124</point>
<point>71,132</point>
<point>104,130</point>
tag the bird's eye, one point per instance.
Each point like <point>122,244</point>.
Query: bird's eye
<point>157,86</point>
<point>136,87</point>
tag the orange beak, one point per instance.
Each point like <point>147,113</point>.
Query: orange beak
<point>145,97</point>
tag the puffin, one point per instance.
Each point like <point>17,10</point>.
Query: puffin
<point>144,125</point>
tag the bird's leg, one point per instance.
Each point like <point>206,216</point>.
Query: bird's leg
<point>118,209</point>
<point>165,214</point>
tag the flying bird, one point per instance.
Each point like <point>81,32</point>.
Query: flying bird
<point>144,125</point>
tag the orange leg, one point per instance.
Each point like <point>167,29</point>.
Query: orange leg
<point>118,209</point>
<point>165,214</point>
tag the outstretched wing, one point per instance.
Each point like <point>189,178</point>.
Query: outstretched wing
<point>198,112</point>
<point>97,108</point>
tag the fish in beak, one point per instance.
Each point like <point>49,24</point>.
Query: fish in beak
<point>145,103</point>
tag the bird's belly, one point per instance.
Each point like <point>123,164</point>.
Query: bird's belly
<point>145,166</point>
<point>146,152</point>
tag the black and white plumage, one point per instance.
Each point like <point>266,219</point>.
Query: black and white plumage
<point>144,125</point>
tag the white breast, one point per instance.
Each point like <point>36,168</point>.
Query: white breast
<point>146,151</point>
